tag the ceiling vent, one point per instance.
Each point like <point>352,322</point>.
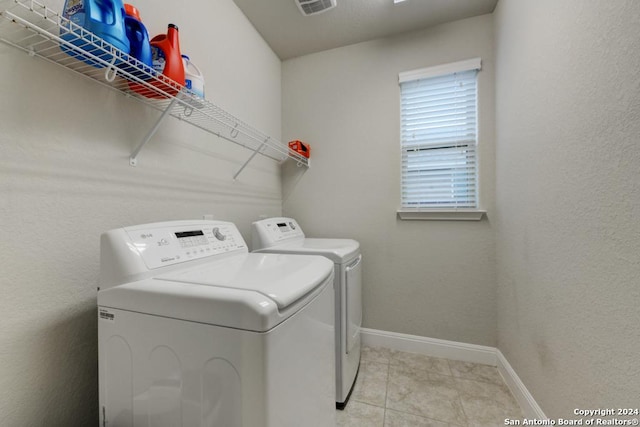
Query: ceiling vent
<point>313,7</point>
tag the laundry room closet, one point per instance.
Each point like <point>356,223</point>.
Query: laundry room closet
<point>542,285</point>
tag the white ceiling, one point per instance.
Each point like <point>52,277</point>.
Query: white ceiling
<point>291,34</point>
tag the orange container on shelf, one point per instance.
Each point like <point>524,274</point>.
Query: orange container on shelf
<point>300,147</point>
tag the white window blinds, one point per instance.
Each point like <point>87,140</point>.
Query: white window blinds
<point>438,136</point>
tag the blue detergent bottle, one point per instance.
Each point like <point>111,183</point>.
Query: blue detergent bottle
<point>139,41</point>
<point>104,18</point>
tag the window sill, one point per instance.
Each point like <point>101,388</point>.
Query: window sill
<point>441,214</point>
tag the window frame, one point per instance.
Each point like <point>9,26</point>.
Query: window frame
<point>445,213</point>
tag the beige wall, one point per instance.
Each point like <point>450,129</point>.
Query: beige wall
<point>568,200</point>
<point>65,178</point>
<point>428,278</point>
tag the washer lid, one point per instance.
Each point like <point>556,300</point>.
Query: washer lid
<point>251,291</point>
<point>337,250</point>
<point>282,278</point>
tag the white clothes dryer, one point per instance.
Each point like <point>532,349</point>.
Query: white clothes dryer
<point>285,236</point>
<point>194,331</point>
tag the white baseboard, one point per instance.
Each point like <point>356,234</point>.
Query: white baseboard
<point>458,351</point>
<point>526,401</point>
<point>430,346</point>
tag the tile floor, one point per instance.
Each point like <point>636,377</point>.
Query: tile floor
<point>398,389</point>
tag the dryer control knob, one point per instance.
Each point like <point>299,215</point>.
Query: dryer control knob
<point>218,235</point>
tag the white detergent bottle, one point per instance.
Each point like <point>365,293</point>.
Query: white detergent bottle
<point>193,77</point>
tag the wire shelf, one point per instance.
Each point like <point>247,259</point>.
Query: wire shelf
<point>36,29</point>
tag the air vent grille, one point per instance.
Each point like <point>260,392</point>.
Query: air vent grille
<point>312,7</point>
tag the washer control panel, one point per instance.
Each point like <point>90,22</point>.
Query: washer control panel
<point>160,246</point>
<point>268,232</point>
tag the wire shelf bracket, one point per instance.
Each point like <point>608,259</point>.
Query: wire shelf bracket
<point>244,165</point>
<point>133,160</point>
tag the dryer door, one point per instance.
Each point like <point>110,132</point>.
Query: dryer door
<point>353,303</point>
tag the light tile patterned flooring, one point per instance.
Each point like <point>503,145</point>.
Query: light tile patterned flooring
<point>398,389</point>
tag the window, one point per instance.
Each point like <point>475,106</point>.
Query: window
<point>438,119</point>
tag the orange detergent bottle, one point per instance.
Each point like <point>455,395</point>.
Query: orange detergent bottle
<point>167,63</point>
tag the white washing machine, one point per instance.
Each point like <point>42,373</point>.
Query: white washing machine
<point>284,236</point>
<point>195,331</point>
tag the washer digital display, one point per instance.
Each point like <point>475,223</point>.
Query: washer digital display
<point>183,234</point>
<point>283,226</point>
